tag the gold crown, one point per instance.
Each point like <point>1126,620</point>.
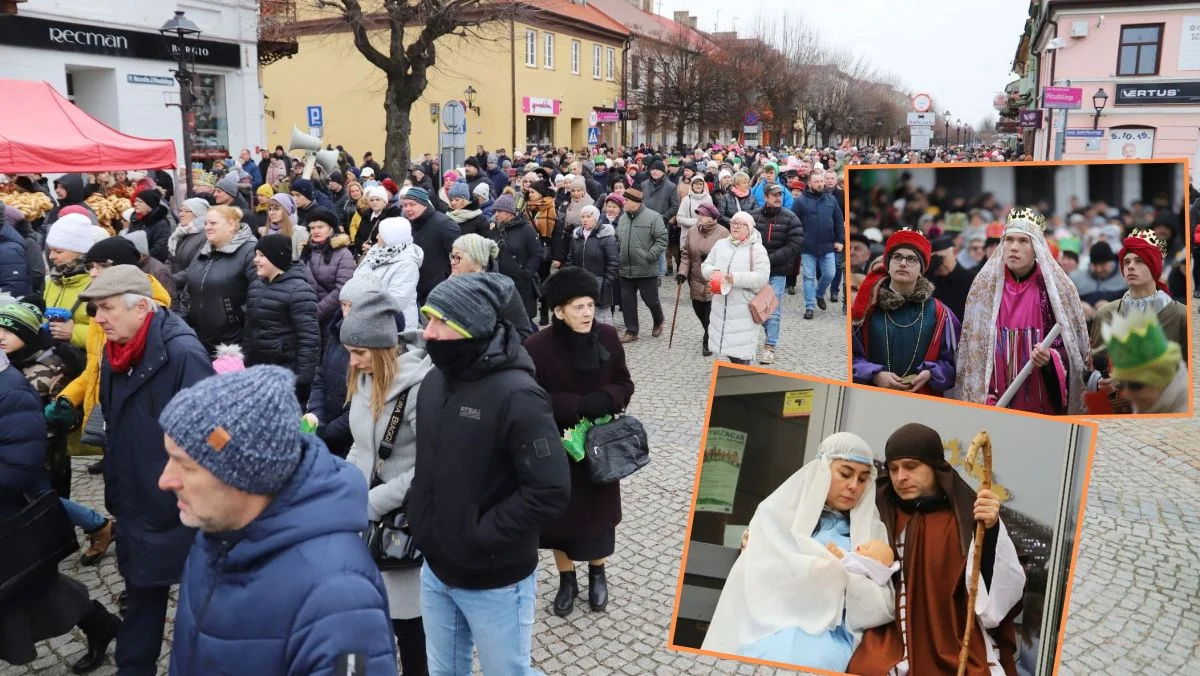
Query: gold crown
<point>908,229</point>
<point>1150,237</point>
<point>1030,215</point>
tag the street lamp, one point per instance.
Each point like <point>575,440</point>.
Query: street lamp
<point>469,92</point>
<point>175,32</point>
<point>1099,101</point>
<point>849,125</point>
<point>946,126</point>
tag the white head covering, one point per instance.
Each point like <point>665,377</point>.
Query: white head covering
<point>376,191</point>
<point>785,578</point>
<point>395,231</point>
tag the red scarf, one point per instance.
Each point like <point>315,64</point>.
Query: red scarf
<point>124,357</point>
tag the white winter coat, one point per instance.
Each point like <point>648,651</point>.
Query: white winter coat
<point>396,473</point>
<point>732,331</point>
<point>398,271</point>
<point>687,218</point>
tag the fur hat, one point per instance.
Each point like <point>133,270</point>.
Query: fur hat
<point>569,283</point>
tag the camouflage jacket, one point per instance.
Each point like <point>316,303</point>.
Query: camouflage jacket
<point>47,373</point>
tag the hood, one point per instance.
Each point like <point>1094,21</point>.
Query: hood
<point>243,235</point>
<point>754,238</point>
<point>158,213</point>
<point>326,495</point>
<point>503,352</point>
<point>339,241</point>
<point>601,230</point>
<point>516,221</point>
<point>73,184</point>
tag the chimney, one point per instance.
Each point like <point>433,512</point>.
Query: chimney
<point>647,6</point>
<point>692,21</point>
<point>681,18</point>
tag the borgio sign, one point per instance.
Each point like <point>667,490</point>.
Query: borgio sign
<point>66,36</point>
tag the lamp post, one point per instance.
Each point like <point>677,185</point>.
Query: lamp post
<point>958,132</point>
<point>1099,101</point>
<point>175,32</point>
<point>946,126</point>
<point>469,92</point>
<point>849,125</point>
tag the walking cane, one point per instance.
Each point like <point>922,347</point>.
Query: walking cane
<point>981,443</point>
<point>674,315</point>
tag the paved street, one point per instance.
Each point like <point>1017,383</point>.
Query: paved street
<point>1133,605</point>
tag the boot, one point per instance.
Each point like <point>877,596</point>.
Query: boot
<point>100,627</point>
<point>99,540</point>
<point>597,588</point>
<point>821,303</point>
<point>96,467</point>
<point>568,589</point>
<point>704,345</point>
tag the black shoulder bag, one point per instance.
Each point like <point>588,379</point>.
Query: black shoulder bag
<point>388,540</point>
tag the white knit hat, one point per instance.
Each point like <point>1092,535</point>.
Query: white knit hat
<point>72,232</point>
<point>377,191</point>
<point>483,189</point>
<point>395,231</point>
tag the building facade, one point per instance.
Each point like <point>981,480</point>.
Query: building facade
<point>108,57</point>
<point>1145,58</point>
<point>540,82</point>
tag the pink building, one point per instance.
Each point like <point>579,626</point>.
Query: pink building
<point>1138,59</point>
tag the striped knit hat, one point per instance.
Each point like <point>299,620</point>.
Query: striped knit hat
<point>470,304</point>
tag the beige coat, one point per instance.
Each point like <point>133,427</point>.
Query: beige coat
<point>691,258</point>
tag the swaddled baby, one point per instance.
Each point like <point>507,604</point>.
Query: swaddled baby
<point>873,559</point>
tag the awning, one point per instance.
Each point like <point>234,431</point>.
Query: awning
<point>42,132</point>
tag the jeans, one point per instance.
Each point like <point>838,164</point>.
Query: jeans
<point>85,518</point>
<point>139,642</point>
<point>772,324</point>
<point>812,288</point>
<point>839,275</point>
<point>499,622</point>
<point>604,315</point>
<point>648,288</point>
<point>662,264</point>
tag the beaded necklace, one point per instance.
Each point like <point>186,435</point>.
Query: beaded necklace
<point>887,341</point>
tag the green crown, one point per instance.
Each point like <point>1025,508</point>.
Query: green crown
<point>1135,340</point>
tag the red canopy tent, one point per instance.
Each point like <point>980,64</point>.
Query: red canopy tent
<point>42,132</point>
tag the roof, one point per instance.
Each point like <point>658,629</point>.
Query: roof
<point>646,24</point>
<point>582,12</point>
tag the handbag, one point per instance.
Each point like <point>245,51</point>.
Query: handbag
<point>764,303</point>
<point>389,540</point>
<point>616,449</point>
<point>94,433</point>
<point>35,538</point>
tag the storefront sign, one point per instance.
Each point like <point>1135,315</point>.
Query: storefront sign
<point>533,105</point>
<point>1136,143</point>
<point>1030,119</point>
<point>604,117</point>
<point>1062,98</point>
<point>1189,44</point>
<point>1085,133</point>
<point>23,31</point>
<point>719,474</point>
<point>1158,93</point>
<point>797,403</point>
<point>150,80</point>
<point>1008,127</point>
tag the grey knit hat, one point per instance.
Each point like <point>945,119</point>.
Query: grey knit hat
<point>470,304</point>
<point>254,449</point>
<point>228,184</point>
<point>197,206</point>
<point>363,283</point>
<point>371,321</point>
<point>478,248</point>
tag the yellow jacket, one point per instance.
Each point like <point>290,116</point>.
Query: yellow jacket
<point>63,294</point>
<point>85,390</point>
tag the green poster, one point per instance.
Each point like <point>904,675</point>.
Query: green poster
<point>719,474</point>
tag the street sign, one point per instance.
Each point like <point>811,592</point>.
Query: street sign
<point>454,117</point>
<point>922,103</point>
<point>1062,98</point>
<point>315,131</point>
<point>751,118</point>
<point>922,119</point>
<point>750,129</point>
<point>593,118</point>
<point>920,131</point>
<point>593,135</point>
<point>316,117</point>
<point>920,143</point>
<point>1085,133</point>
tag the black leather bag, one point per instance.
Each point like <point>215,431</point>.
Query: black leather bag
<point>37,537</point>
<point>616,449</point>
<point>388,540</point>
<point>94,432</point>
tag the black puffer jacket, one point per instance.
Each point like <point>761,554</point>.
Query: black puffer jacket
<point>73,185</point>
<point>519,258</point>
<point>782,235</point>
<point>158,226</point>
<point>599,254</point>
<point>281,324</point>
<point>729,204</point>
<point>217,282</point>
<point>435,233</point>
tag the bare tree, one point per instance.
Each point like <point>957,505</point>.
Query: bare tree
<point>679,69</point>
<point>412,29</point>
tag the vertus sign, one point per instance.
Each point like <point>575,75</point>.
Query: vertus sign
<point>21,31</point>
<point>1159,93</point>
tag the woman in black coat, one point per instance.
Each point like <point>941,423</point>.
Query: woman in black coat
<point>218,278</point>
<point>281,314</point>
<point>151,215</point>
<point>594,248</point>
<point>581,365</point>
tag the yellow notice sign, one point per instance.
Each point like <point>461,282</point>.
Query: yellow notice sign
<point>797,403</point>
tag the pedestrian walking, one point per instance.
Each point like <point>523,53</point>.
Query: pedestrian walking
<point>329,260</point>
<point>688,214</point>
<point>642,237</point>
<point>432,231</point>
<point>520,251</point>
<point>783,236</point>
<point>68,240</point>
<point>473,254</point>
<point>692,255</point>
<point>822,222</point>
<point>594,247</point>
<point>741,267</point>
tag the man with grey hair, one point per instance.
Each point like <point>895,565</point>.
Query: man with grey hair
<point>149,356</point>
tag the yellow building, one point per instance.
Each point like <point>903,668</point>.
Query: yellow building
<point>540,81</point>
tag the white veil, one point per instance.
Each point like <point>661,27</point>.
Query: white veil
<point>785,578</point>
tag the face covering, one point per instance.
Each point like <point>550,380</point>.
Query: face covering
<point>455,356</point>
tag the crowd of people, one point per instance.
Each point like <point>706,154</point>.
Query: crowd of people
<point>955,297</point>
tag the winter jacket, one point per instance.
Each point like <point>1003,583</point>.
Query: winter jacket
<point>474,182</point>
<point>154,543</point>
<point>256,174</point>
<point>73,184</point>
<point>782,235</point>
<point>498,179</point>
<point>299,238</point>
<point>23,445</point>
<point>319,201</point>
<point>729,204</point>
<point>368,227</point>
<point>692,255</point>
<point>662,198</point>
<point>34,246</point>
<point>490,472</point>
<point>470,221</point>
<point>330,266</point>
<point>598,253</point>
<point>15,276</point>
<point>64,293</point>
<point>686,217</point>
<point>1092,290</point>
<point>758,192</point>
<point>435,233</point>
<point>643,238</point>
<point>158,227</point>
<point>731,330</point>
<point>519,258</point>
<point>159,271</point>
<point>292,591</point>
<point>399,270</point>
<point>821,218</point>
<point>281,324</point>
<point>217,282</point>
<point>395,474</point>
<point>327,399</point>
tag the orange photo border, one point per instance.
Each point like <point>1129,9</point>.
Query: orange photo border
<point>1187,225</point>
<point>712,391</point>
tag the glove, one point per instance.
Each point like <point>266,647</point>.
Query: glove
<point>680,279</point>
<point>60,414</point>
<point>595,405</point>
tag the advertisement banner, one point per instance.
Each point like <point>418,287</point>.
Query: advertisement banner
<point>1062,98</point>
<point>1158,93</point>
<point>533,105</point>
<point>1030,119</point>
<point>1130,144</point>
<point>719,474</point>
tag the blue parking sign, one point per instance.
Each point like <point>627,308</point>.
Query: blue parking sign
<point>316,118</point>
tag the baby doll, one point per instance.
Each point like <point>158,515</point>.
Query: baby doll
<point>873,559</point>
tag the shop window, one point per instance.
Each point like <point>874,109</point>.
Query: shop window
<point>595,62</point>
<point>210,135</point>
<point>531,48</point>
<point>549,51</point>
<point>575,57</point>
<point>539,131</point>
<point>610,63</point>
<point>1140,50</point>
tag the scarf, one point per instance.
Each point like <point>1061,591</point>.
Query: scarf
<point>586,347</point>
<point>454,357</point>
<point>60,272</point>
<point>179,233</point>
<point>380,256</point>
<point>890,299</point>
<point>122,358</point>
<point>542,215</point>
<point>461,216</point>
<point>742,193</point>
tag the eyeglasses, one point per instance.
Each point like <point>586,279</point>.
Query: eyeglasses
<point>908,260</point>
<point>456,259</point>
<point>1131,385</point>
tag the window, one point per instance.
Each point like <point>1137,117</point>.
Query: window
<point>595,62</point>
<point>531,48</point>
<point>610,63</point>
<point>575,49</point>
<point>549,51</point>
<point>635,72</point>
<point>1140,50</point>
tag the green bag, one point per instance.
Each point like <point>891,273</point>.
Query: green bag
<point>575,439</point>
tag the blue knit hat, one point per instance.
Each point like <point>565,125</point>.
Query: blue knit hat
<point>417,195</point>
<point>460,190</point>
<point>304,187</point>
<point>254,448</point>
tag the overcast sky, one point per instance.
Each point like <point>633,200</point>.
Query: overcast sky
<point>957,51</point>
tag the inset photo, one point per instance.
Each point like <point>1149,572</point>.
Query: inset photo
<point>845,529</point>
<point>1052,288</point>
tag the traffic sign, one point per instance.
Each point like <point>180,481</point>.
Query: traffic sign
<point>922,103</point>
<point>920,131</point>
<point>922,119</point>
<point>593,135</point>
<point>751,118</point>
<point>1085,133</point>
<point>593,118</point>
<point>316,117</point>
<point>920,143</point>
<point>454,117</point>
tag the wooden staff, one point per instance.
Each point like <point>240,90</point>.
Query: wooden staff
<point>981,442</point>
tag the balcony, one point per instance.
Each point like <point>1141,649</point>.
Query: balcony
<point>276,30</point>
